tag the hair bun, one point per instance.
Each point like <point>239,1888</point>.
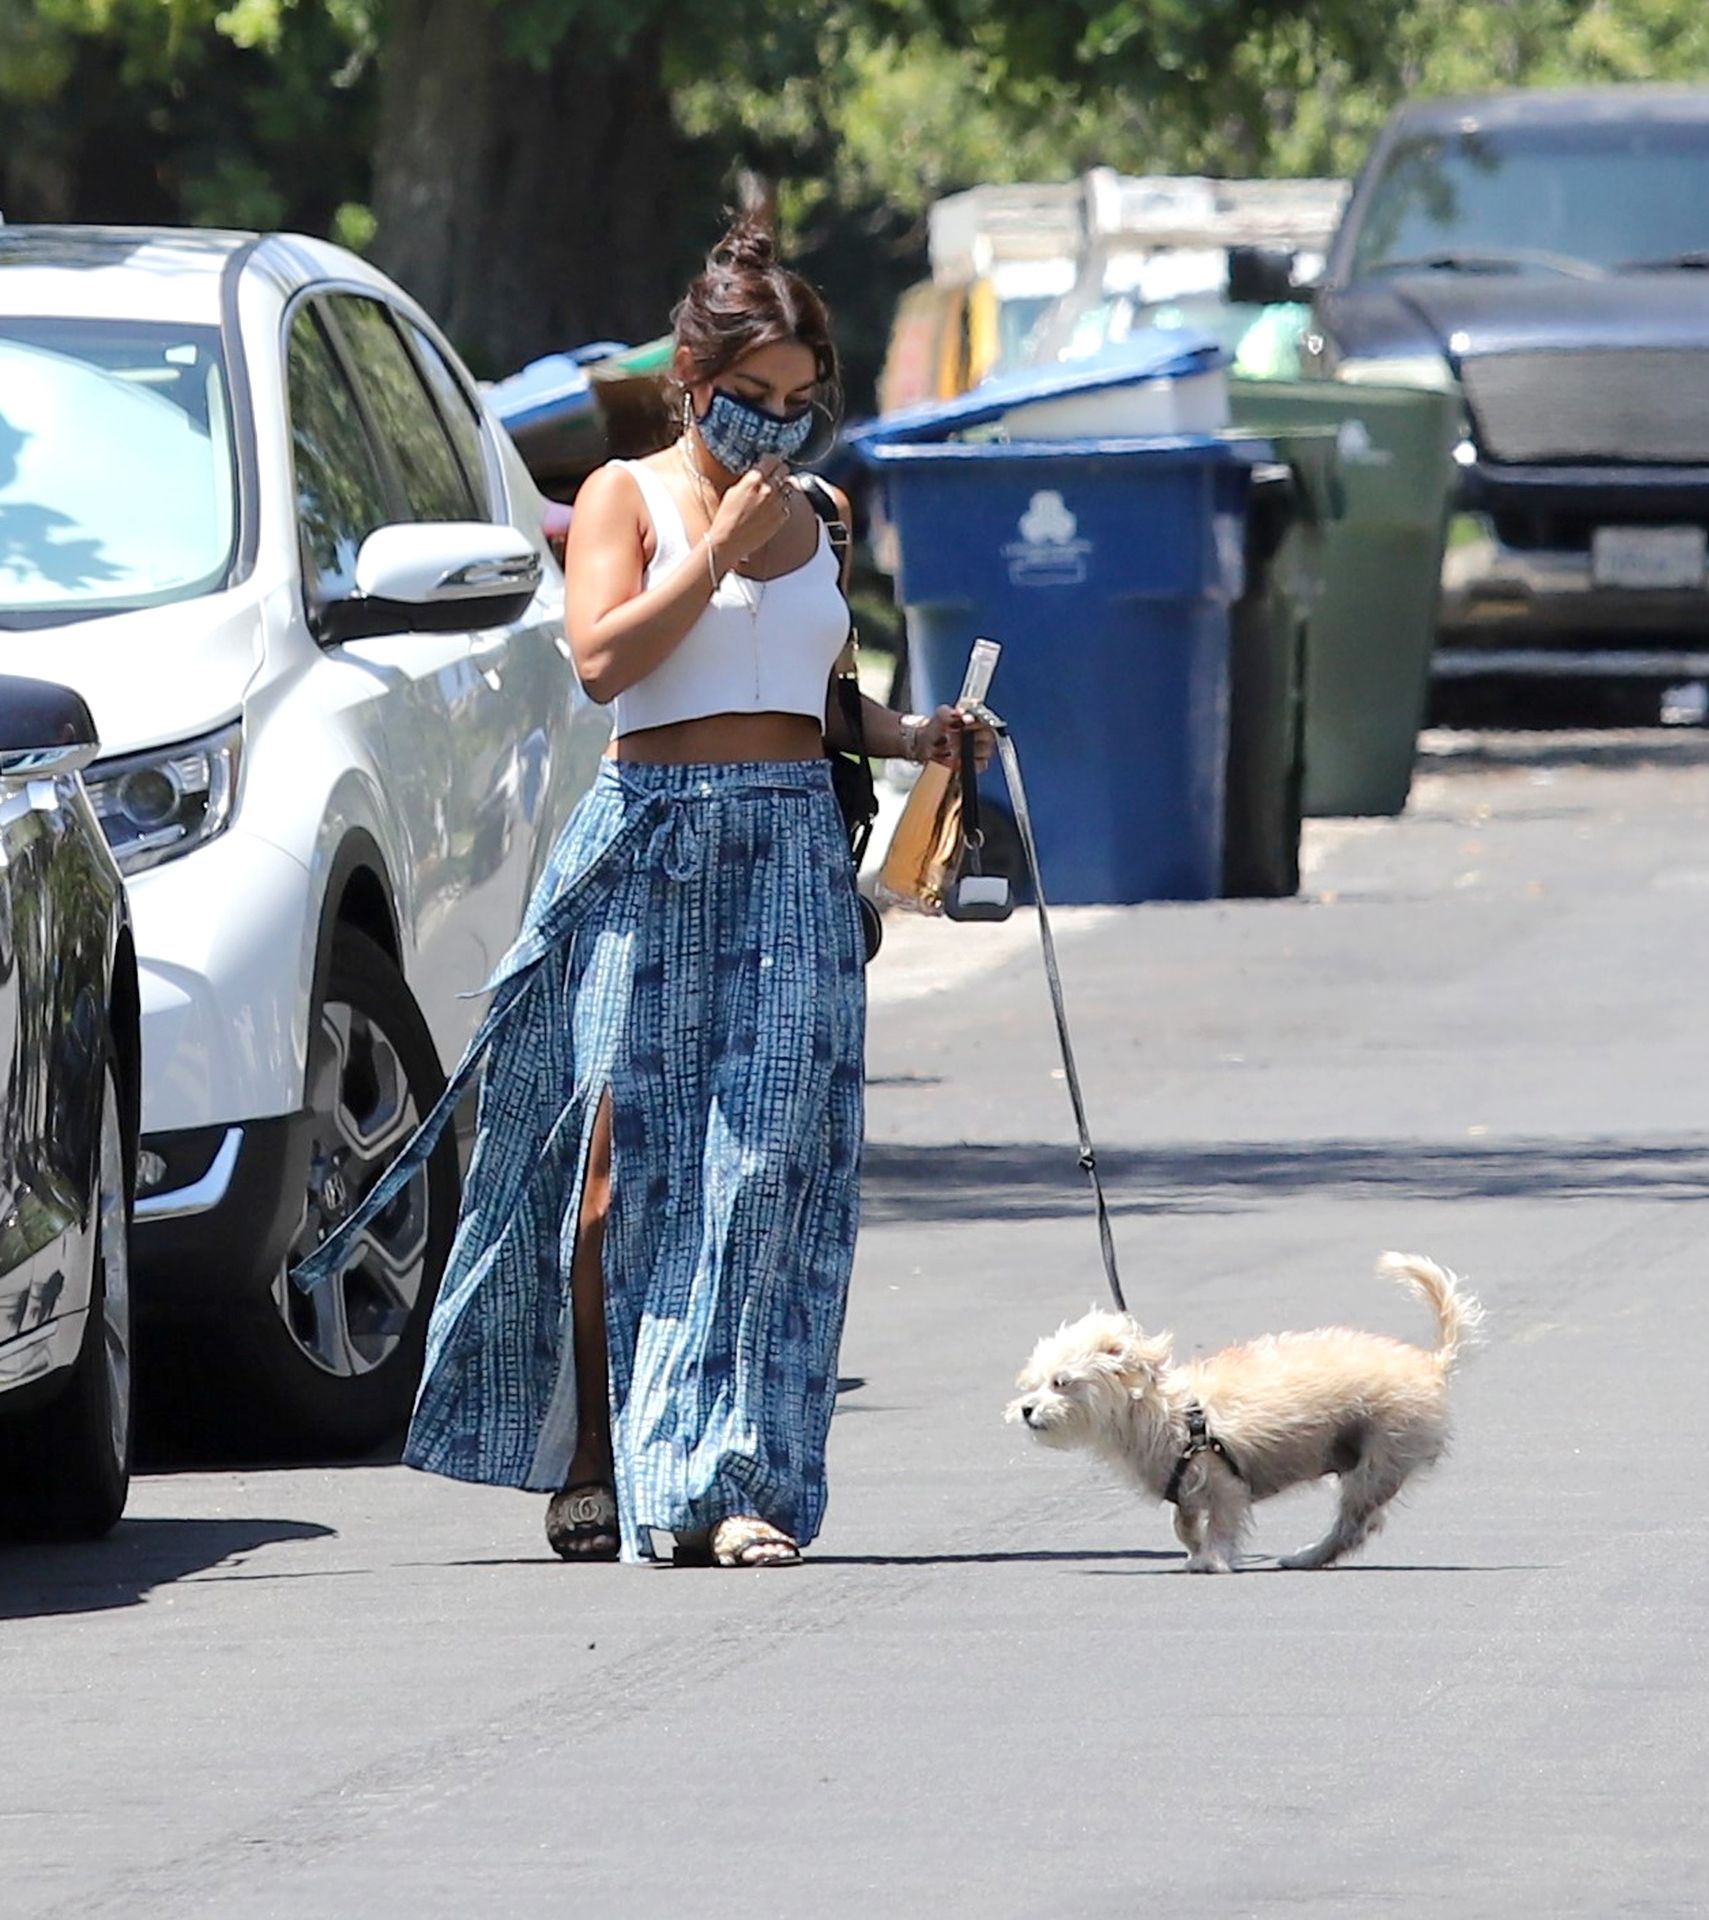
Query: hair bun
<point>750,244</point>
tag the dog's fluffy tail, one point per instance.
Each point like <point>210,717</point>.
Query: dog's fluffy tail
<point>1459,1315</point>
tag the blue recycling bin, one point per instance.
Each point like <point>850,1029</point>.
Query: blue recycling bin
<point>1106,569</point>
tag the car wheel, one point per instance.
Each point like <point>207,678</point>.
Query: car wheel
<point>336,1369</point>
<point>65,1467</point>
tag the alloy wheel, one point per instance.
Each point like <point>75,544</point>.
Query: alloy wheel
<point>362,1112</point>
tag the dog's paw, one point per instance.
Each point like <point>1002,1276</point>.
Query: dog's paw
<point>1207,1563</point>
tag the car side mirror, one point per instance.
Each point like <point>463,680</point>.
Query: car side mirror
<point>45,729</point>
<point>434,577</point>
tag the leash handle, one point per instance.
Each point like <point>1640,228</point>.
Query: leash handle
<point>972,831</point>
<point>1088,1153</point>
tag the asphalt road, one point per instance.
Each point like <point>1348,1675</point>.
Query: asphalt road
<point>991,1692</point>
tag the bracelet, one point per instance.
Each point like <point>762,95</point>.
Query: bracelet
<point>711,564</point>
<point>911,726</point>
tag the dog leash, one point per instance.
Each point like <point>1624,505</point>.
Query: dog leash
<point>1011,764</point>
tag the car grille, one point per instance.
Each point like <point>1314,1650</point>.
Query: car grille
<point>1648,406</point>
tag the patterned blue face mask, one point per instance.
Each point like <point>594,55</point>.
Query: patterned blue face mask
<point>738,434</point>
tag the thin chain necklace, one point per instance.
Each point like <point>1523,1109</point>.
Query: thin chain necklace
<point>751,590</point>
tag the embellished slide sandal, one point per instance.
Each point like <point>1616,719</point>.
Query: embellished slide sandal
<point>581,1522</point>
<point>746,1541</point>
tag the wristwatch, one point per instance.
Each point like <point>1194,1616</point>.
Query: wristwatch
<point>911,726</point>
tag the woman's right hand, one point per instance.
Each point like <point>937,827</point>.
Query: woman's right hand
<point>752,511</point>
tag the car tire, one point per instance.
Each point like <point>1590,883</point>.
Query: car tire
<point>335,1372</point>
<point>65,1466</point>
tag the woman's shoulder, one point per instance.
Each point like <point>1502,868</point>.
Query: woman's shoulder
<point>613,481</point>
<point>620,489</point>
<point>610,507</point>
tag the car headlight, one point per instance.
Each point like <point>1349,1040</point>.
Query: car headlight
<point>153,806</point>
<point>1405,370</point>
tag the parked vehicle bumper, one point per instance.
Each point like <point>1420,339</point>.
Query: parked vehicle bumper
<point>220,1217</point>
<point>225,959</point>
<point>1520,593</point>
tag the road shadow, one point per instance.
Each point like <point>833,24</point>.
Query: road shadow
<point>135,1559</point>
<point>1038,1181</point>
<point>1041,1555</point>
<point>1354,1566</point>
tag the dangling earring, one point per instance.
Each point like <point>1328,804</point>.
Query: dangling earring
<point>687,413</point>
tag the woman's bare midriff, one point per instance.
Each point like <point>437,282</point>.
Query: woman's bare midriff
<point>723,737</point>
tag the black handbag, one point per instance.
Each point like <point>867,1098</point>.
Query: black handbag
<point>851,773</point>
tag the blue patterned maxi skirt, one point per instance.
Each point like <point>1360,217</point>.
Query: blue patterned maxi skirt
<point>694,949</point>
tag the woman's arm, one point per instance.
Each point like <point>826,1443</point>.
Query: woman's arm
<point>620,629</point>
<point>920,737</point>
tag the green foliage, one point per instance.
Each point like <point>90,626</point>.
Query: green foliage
<point>1299,102</point>
<point>255,114</point>
<point>353,226</point>
<point>859,113</point>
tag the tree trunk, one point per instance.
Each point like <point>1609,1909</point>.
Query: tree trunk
<point>528,208</point>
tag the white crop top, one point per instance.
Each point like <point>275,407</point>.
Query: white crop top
<point>761,646</point>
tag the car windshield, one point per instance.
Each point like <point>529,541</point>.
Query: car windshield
<point>117,485</point>
<point>1540,199</point>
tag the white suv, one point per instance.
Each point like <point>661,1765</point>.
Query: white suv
<point>253,510</point>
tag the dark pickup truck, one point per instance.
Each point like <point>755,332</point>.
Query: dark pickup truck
<point>1549,252</point>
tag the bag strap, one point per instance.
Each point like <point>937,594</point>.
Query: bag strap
<point>824,504</point>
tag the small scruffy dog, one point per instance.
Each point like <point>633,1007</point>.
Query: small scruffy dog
<point>1215,1436</point>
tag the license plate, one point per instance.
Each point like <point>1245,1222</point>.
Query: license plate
<point>1648,556</point>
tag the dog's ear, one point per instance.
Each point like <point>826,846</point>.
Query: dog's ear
<point>1146,1358</point>
<point>1115,1337</point>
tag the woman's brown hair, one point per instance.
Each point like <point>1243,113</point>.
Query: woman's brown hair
<point>746,298</point>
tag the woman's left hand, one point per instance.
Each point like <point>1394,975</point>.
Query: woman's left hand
<point>939,739</point>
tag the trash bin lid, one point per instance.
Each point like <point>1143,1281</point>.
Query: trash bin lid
<point>650,357</point>
<point>552,386</point>
<point>1155,353</point>
<point>1181,449</point>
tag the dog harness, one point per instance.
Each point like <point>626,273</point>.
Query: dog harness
<point>1200,1439</point>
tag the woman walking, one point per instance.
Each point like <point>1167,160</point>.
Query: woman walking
<point>642,1306</point>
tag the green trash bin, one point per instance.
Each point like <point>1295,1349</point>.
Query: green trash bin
<point>1292,503</point>
<point>1373,625</point>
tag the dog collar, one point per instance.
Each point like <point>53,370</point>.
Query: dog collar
<point>1200,1439</point>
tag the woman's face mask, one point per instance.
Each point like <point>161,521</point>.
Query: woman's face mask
<point>738,435</point>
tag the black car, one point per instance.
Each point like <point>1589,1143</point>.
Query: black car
<point>68,1131</point>
<point>1550,253</point>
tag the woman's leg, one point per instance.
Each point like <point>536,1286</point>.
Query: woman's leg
<point>586,1529</point>
<point>592,1459</point>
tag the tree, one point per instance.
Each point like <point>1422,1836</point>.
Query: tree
<point>172,111</point>
<point>532,196</point>
<point>543,172</point>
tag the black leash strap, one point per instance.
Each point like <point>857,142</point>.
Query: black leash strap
<point>1023,821</point>
<point>972,829</point>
